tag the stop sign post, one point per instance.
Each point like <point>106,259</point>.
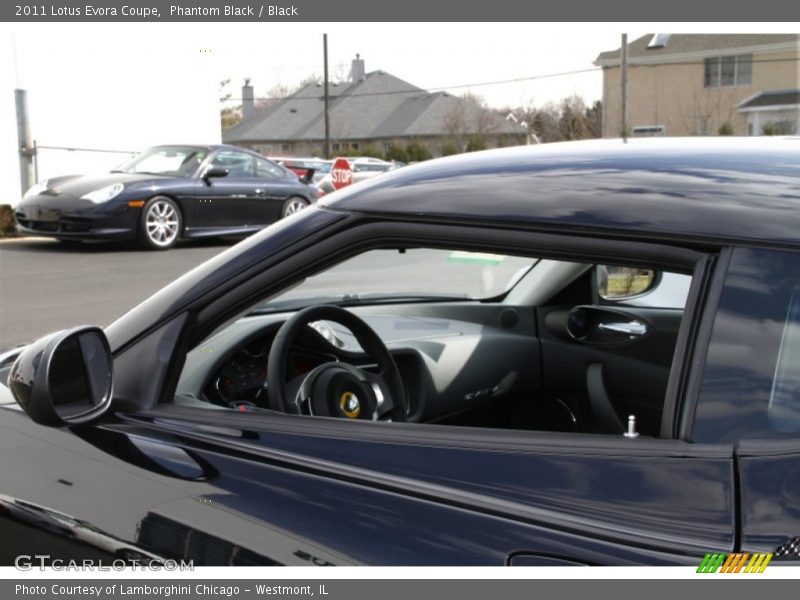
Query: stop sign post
<point>341,174</point>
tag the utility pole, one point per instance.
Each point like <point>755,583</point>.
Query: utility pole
<point>327,115</point>
<point>27,151</point>
<point>624,88</point>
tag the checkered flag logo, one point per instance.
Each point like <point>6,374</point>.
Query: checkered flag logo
<point>789,550</point>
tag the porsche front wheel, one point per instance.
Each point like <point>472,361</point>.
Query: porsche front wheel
<point>160,224</point>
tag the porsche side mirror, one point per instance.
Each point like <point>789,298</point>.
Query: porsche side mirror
<point>64,378</point>
<point>214,172</point>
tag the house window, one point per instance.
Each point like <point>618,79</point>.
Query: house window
<point>722,71</point>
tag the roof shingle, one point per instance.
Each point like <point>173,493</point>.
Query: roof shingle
<point>378,106</point>
<point>688,43</point>
<point>773,98</point>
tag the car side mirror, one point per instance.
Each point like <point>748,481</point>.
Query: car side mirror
<point>64,378</point>
<point>622,283</point>
<point>214,172</point>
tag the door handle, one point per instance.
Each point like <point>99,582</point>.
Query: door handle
<point>631,328</point>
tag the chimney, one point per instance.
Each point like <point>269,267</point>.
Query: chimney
<point>357,70</point>
<point>248,103</point>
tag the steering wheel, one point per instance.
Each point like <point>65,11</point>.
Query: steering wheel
<point>336,389</point>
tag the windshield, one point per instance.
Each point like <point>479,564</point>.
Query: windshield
<point>176,161</point>
<point>408,275</point>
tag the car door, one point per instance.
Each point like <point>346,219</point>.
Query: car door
<point>277,185</point>
<point>419,494</point>
<point>288,489</point>
<point>229,202</point>
<point>412,493</point>
<point>185,482</point>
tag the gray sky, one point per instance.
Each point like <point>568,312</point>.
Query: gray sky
<point>131,85</point>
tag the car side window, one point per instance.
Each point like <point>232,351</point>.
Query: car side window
<point>751,381</point>
<point>267,170</point>
<point>466,357</point>
<point>239,164</point>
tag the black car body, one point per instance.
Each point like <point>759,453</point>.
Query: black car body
<point>515,447</point>
<point>192,192</point>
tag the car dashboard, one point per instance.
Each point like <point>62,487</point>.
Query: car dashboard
<point>447,365</point>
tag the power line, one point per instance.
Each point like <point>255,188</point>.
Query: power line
<point>430,90</point>
<point>631,65</point>
<point>73,149</point>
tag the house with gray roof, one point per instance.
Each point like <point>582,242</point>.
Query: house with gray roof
<point>705,84</point>
<point>370,111</point>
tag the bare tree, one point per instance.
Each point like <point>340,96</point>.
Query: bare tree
<point>228,115</point>
<point>469,122</point>
<point>224,93</point>
<point>572,121</point>
<point>708,111</point>
<point>544,123</point>
<point>274,95</point>
<point>340,73</point>
<point>454,124</point>
<point>482,119</point>
<point>594,120</point>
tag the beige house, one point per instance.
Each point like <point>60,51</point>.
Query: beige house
<point>705,84</point>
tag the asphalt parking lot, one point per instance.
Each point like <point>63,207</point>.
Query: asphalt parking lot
<point>46,286</point>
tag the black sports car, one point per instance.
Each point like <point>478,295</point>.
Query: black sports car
<point>582,353</point>
<point>164,194</point>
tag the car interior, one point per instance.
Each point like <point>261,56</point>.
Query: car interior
<point>454,338</point>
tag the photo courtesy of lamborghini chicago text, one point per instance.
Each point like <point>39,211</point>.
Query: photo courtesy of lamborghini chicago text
<point>461,300</point>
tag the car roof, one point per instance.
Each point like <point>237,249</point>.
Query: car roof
<point>208,147</point>
<point>708,189</point>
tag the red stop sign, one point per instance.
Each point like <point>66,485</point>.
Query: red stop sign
<point>341,174</point>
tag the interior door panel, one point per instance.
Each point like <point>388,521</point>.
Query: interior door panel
<point>635,369</point>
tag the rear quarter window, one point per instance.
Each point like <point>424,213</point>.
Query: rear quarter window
<point>751,380</point>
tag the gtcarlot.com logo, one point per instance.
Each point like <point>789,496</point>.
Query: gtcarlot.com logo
<point>739,562</point>
<point>28,562</point>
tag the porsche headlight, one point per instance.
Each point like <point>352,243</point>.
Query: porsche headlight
<point>36,189</point>
<point>104,194</point>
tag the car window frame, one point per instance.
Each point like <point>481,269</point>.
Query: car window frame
<point>282,268</point>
